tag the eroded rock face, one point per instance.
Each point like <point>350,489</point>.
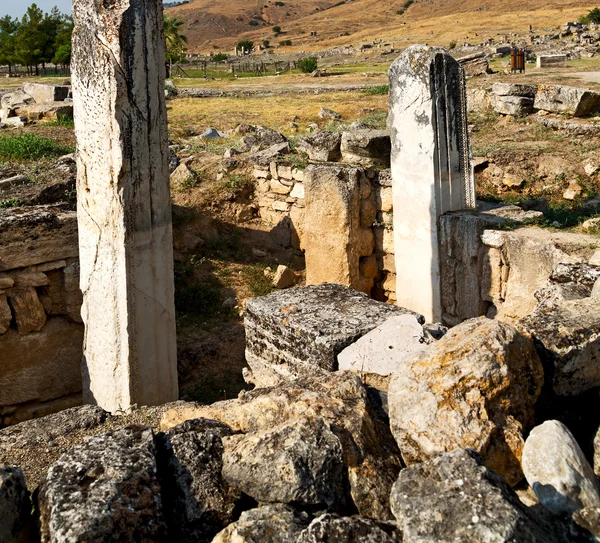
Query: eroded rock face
<point>267,524</point>
<point>28,310</point>
<point>564,99</point>
<point>455,498</point>
<point>557,470</point>
<point>198,501</point>
<point>333,529</point>
<point>475,388</point>
<point>15,507</point>
<point>323,146</point>
<point>567,334</point>
<point>287,337</point>
<point>369,451</point>
<point>299,461</point>
<point>107,486</point>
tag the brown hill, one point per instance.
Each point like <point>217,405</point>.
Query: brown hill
<point>219,24</point>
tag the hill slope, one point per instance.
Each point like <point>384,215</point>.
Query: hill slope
<point>219,24</point>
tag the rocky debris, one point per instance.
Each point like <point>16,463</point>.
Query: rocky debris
<point>367,148</point>
<point>45,429</point>
<point>173,161</point>
<point>514,89</point>
<point>198,501</point>
<point>301,331</point>
<point>171,91</point>
<point>298,461</point>
<point>384,349</point>
<point>563,99</point>
<point>264,158</point>
<point>267,524</point>
<point>211,134</point>
<point>334,529</point>
<point>13,99</point>
<point>582,274</point>
<point>14,181</point>
<point>513,98</point>
<point>567,337</point>
<point>474,388</point>
<point>15,507</point>
<point>13,122</point>
<point>370,454</point>
<point>589,519</point>
<point>51,111</point>
<point>475,64</point>
<point>284,277</point>
<point>329,114</point>
<point>557,470</point>
<point>323,146</point>
<point>259,138</point>
<point>182,176</point>
<point>454,497</point>
<point>43,93</point>
<point>574,127</point>
<point>105,487</point>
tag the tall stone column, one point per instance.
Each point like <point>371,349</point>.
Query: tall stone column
<point>431,168</point>
<point>124,206</point>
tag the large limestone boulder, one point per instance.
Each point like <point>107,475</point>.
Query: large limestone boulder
<point>323,146</point>
<point>349,530</point>
<point>15,507</point>
<point>301,331</point>
<point>198,501</point>
<point>51,111</point>
<point>514,89</point>
<point>44,93</point>
<point>563,99</point>
<point>367,148</point>
<point>106,487</point>
<point>299,462</point>
<point>455,498</point>
<point>557,470</point>
<point>259,138</point>
<point>474,388</point>
<point>567,335</point>
<point>369,452</point>
<point>512,105</point>
<point>275,523</point>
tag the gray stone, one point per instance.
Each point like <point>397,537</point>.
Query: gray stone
<point>582,274</point>
<point>512,105</point>
<point>15,507</point>
<point>264,158</point>
<point>171,90</point>
<point>333,529</point>
<point>45,429</point>
<point>455,498</point>
<point>284,277</point>
<point>267,524</point>
<point>567,336</point>
<point>13,99</point>
<point>323,146</point>
<point>299,462</point>
<point>14,122</point>
<point>198,501</point>
<point>15,181</point>
<point>329,114</point>
<point>384,349</point>
<point>514,89</point>
<point>557,470</point>
<point>301,331</point>
<point>103,490</point>
<point>261,137</point>
<point>44,93</point>
<point>563,99</point>
<point>476,387</point>
<point>173,161</point>
<point>366,148</point>
<point>211,134</point>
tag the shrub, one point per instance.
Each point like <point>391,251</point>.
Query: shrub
<point>219,57</point>
<point>266,44</point>
<point>277,29</point>
<point>246,45</point>
<point>253,23</point>
<point>30,147</point>
<point>452,44</point>
<point>11,202</point>
<point>279,4</point>
<point>592,17</point>
<point>308,65</point>
<point>283,43</point>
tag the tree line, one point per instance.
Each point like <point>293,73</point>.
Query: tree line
<point>36,39</point>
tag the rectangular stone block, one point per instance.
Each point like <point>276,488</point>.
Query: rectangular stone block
<point>551,61</point>
<point>44,93</point>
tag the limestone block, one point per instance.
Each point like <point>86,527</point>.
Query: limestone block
<point>51,111</point>
<point>41,365</point>
<point>368,213</point>
<point>286,337</point>
<point>284,277</point>
<point>283,207</point>
<point>28,278</point>
<point>512,105</point>
<point>44,93</point>
<point>333,528</point>
<point>554,61</point>
<point>15,507</point>
<point>119,496</point>
<point>298,191</point>
<point>124,204</point>
<point>49,266</point>
<point>557,471</point>
<point>285,172</point>
<point>389,263</point>
<point>28,310</point>
<point>297,216</point>
<point>13,99</point>
<point>322,146</point>
<point>261,138</point>
<point>384,349</point>
<point>384,201</point>
<point>333,205</point>
<point>474,388</point>
<point>260,173</point>
<point>182,176</point>
<point>298,175</point>
<point>366,148</point>
<point>34,236</point>
<point>5,314</point>
<point>6,281</point>
<point>279,188</point>
<point>431,167</point>
<point>563,99</point>
<point>514,89</point>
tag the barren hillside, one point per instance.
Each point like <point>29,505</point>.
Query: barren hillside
<point>219,24</point>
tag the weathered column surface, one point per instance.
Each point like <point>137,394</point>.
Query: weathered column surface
<point>124,207</point>
<point>431,168</point>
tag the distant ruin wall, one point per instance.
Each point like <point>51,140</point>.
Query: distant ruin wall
<point>41,332</point>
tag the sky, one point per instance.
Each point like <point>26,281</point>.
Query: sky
<point>16,8</point>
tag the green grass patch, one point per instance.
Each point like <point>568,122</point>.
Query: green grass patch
<point>377,119</point>
<point>378,90</point>
<point>11,202</point>
<point>30,147</point>
<point>63,120</point>
<point>258,283</point>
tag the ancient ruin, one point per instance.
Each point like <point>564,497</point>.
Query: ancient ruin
<point>124,211</point>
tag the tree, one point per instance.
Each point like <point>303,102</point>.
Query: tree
<point>30,39</point>
<point>62,43</point>
<point>308,65</point>
<point>246,46</point>
<point>175,40</point>
<point>593,17</point>
<point>277,30</point>
<point>266,44</point>
<point>8,29</point>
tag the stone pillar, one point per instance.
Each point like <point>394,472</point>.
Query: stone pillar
<point>431,168</point>
<point>124,205</point>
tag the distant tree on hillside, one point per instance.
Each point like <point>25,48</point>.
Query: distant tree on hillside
<point>246,46</point>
